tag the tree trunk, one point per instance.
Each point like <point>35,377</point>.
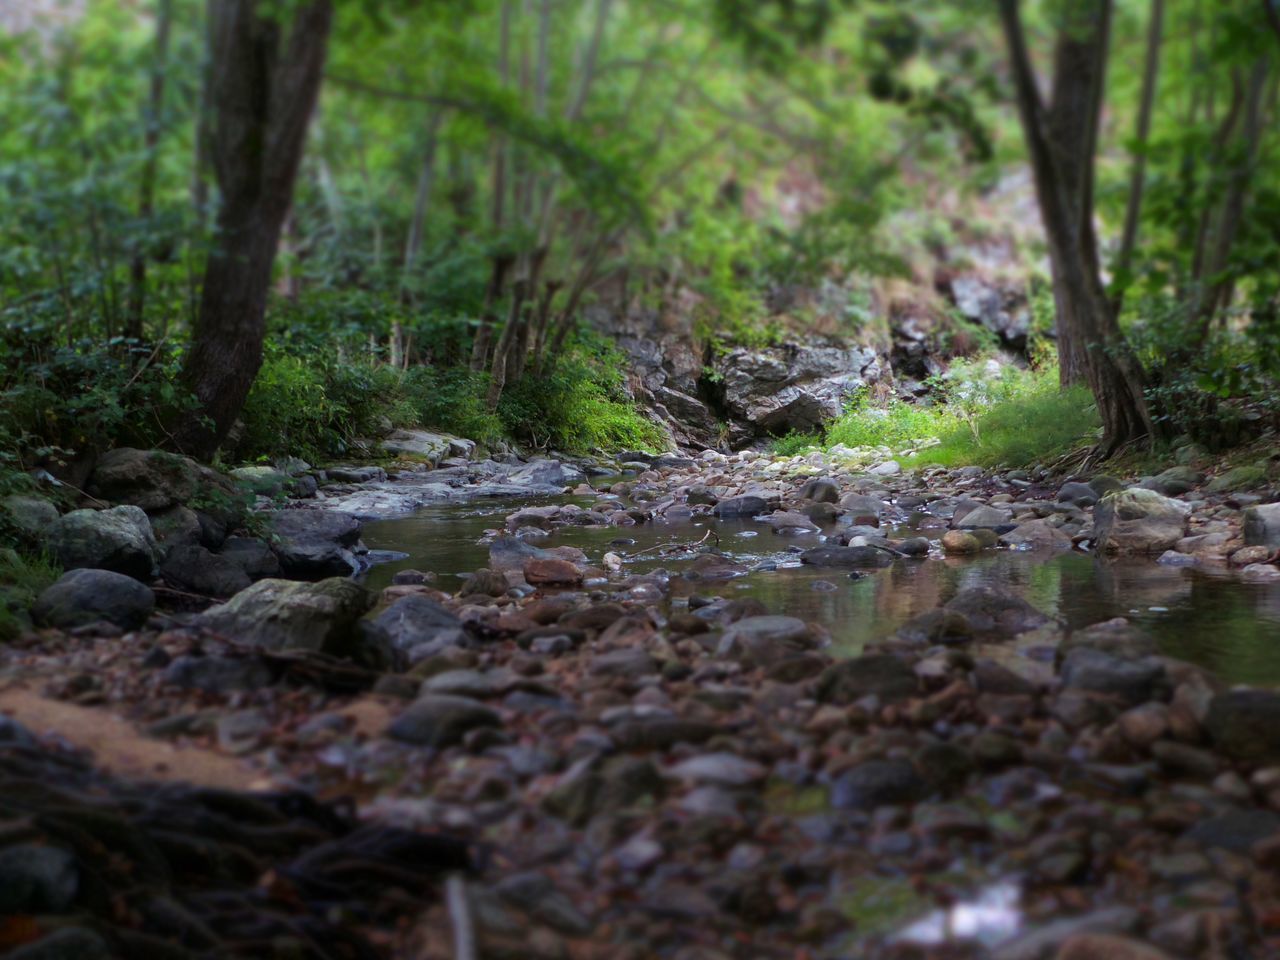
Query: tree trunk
<point>1060,144</point>
<point>421,201</point>
<point>266,77</point>
<point>147,186</point>
<point>1138,174</point>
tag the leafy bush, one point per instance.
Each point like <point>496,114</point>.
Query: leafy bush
<point>577,406</point>
<point>795,442</point>
<point>452,399</point>
<point>22,577</point>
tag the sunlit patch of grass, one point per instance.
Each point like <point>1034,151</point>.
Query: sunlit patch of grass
<point>1016,419</point>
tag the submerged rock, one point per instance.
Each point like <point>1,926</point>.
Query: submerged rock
<point>992,610</point>
<point>847,557</point>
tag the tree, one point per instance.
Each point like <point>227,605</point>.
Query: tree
<point>265,78</point>
<point>1061,138</point>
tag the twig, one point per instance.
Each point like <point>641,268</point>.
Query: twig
<point>674,546</point>
<point>460,921</point>
<point>143,366</point>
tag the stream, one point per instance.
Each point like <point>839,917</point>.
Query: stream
<point>1203,615</point>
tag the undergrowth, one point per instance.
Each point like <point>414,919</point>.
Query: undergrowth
<point>982,417</point>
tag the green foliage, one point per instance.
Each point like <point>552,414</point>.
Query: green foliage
<point>795,442</point>
<point>22,577</point>
<point>452,399</point>
<point>60,400</point>
<point>578,405</point>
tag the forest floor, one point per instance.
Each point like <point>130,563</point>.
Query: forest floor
<point>639,749</point>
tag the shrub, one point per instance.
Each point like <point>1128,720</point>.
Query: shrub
<point>452,399</point>
<point>795,442</point>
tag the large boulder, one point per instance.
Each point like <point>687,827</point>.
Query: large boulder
<point>118,539</point>
<point>546,474</point>
<point>314,544</point>
<point>287,615</point>
<point>424,445</point>
<point>1138,520</point>
<point>154,480</point>
<point>1262,526</point>
<point>86,596</point>
<point>794,386</point>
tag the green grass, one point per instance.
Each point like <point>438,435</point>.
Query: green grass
<point>1018,419</point>
<point>22,577</point>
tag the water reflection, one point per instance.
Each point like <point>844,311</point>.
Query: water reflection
<point>1208,617</point>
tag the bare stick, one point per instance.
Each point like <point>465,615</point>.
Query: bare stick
<point>464,933</point>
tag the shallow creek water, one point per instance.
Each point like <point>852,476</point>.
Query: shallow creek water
<point>1209,617</point>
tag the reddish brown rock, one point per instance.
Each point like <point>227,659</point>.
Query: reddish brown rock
<point>551,572</point>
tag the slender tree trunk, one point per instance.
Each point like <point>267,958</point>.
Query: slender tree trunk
<point>203,164</point>
<point>1215,284</point>
<point>266,79</point>
<point>1138,173</point>
<point>147,186</point>
<point>421,201</point>
<point>484,334</point>
<point>1060,145</point>
<point>502,353</point>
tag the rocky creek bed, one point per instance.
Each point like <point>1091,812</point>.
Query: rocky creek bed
<point>713,707</point>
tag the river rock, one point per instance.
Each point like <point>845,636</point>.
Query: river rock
<point>821,490</point>
<point>1174,481</point>
<point>509,554</point>
<point>315,544</point>
<point>1245,725</point>
<point>440,720</point>
<point>1262,526</point>
<point>37,879</point>
<point>551,571</point>
<point>432,447</point>
<point>1041,942</point>
<point>118,539</point>
<point>1238,478</point>
<point>1036,534</point>
<point>986,517</point>
<point>420,626</point>
<point>288,615</point>
<point>1093,671</point>
<point>1079,494</point>
<point>85,596</point>
<point>65,943</point>
<point>765,640</point>
<point>878,783</point>
<point>262,480</point>
<point>880,675</point>
<point>485,583</point>
<point>155,480</point>
<point>251,555</point>
<point>960,542</point>
<point>219,674</point>
<point>356,474</point>
<point>547,474</point>
<point>852,558</point>
<point>1137,520</point>
<point>30,516</point>
<point>195,569</point>
<point>176,526</point>
<point>787,521</point>
<point>996,611</point>
<point>747,505</point>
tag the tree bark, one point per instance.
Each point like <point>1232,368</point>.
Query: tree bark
<point>503,352</point>
<point>1060,143</point>
<point>147,187</point>
<point>266,78</point>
